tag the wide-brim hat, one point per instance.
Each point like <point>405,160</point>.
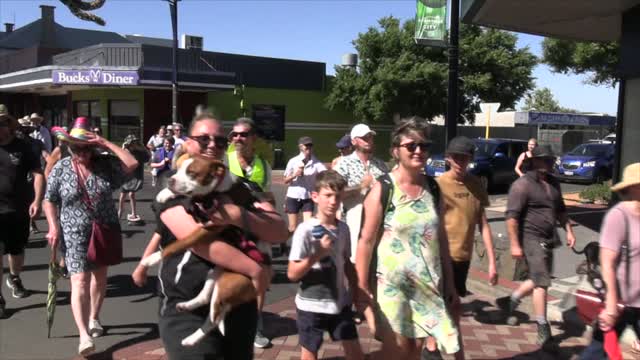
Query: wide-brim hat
<point>541,152</point>
<point>35,116</point>
<point>630,177</point>
<point>79,133</point>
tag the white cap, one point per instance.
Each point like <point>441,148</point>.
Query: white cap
<point>361,130</point>
<point>169,127</point>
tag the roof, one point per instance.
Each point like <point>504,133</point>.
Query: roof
<point>30,35</point>
<point>587,20</point>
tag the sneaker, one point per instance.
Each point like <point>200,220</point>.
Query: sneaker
<point>508,307</point>
<point>17,290</point>
<point>95,329</point>
<point>544,334</point>
<point>33,229</point>
<point>261,341</point>
<point>86,347</point>
<point>3,304</point>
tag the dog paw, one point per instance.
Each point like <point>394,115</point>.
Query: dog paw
<point>193,339</point>
<point>152,259</point>
<point>165,195</point>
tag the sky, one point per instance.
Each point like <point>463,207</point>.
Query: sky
<point>313,30</point>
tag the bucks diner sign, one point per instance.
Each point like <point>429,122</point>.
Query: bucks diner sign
<point>431,22</point>
<point>95,77</point>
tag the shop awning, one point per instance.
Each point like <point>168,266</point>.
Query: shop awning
<point>588,20</point>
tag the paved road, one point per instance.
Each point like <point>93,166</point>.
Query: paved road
<point>129,313</point>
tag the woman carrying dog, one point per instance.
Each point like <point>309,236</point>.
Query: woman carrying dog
<point>415,297</point>
<point>79,190</point>
<point>184,274</point>
<point>620,265</point>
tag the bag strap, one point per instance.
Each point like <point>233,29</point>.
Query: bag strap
<point>81,185</point>
<point>625,250</point>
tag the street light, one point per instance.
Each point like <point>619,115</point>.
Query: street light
<point>173,7</point>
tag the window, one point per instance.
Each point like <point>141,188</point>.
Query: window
<point>503,148</point>
<point>124,119</point>
<point>89,109</point>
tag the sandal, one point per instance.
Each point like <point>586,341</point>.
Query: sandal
<point>86,347</point>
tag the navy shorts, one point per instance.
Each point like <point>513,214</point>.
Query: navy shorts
<point>294,206</point>
<point>311,327</point>
<point>460,274</point>
<point>15,226</point>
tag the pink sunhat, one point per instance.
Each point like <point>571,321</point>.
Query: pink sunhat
<point>78,133</point>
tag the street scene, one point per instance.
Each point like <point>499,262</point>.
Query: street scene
<point>420,180</point>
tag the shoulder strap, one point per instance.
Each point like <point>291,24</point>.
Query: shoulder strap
<point>434,189</point>
<point>387,192</point>
<point>625,250</point>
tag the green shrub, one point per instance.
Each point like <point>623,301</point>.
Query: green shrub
<point>596,192</point>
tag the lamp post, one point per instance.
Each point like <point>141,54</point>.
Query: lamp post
<point>451,127</point>
<point>173,7</point>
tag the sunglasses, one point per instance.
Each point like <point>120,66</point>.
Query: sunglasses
<point>242,134</point>
<point>412,146</point>
<point>220,142</point>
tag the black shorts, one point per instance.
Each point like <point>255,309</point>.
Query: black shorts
<point>240,329</point>
<point>15,228</point>
<point>294,206</point>
<point>539,262</point>
<point>311,327</point>
<point>460,273</point>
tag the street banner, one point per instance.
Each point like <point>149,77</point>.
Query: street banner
<point>431,22</point>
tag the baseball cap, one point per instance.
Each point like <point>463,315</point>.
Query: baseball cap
<point>344,142</point>
<point>305,140</point>
<point>169,127</point>
<point>361,130</point>
<point>461,145</point>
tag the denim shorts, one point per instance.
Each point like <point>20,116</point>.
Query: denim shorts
<point>311,327</point>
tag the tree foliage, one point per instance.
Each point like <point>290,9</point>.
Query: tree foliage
<point>397,77</point>
<point>598,61</point>
<point>81,9</point>
<point>543,100</point>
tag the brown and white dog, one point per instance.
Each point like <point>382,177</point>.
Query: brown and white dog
<point>197,177</point>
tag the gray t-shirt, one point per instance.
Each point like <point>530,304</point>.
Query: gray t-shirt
<point>323,289</point>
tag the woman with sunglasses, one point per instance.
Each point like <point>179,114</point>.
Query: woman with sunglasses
<point>79,190</point>
<point>415,294</point>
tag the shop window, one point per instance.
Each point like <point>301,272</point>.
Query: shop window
<point>124,119</point>
<point>89,109</point>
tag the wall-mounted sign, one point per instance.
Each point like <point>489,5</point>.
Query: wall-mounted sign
<point>95,77</point>
<point>269,120</point>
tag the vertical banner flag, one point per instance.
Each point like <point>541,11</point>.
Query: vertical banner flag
<point>431,22</point>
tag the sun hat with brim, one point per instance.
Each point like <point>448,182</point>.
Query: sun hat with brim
<point>630,177</point>
<point>541,152</point>
<point>78,134</point>
<point>4,113</point>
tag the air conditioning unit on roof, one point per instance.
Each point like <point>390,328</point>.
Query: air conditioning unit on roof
<point>191,42</point>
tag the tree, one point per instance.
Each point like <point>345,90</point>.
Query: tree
<point>81,8</point>
<point>599,61</point>
<point>543,100</point>
<point>397,77</point>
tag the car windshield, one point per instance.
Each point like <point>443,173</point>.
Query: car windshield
<point>484,148</point>
<point>590,150</point>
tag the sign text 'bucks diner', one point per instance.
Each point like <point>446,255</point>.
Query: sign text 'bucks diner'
<point>95,77</point>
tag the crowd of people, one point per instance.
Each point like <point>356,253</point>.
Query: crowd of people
<point>367,241</point>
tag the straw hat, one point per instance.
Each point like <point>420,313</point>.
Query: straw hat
<point>630,177</point>
<point>35,116</point>
<point>78,133</point>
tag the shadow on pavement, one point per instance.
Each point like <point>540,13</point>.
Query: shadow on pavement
<point>122,285</point>
<point>590,220</point>
<point>37,267</point>
<point>565,353</point>
<point>149,331</point>
<point>278,326</point>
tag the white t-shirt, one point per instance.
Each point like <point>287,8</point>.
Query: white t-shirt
<point>324,288</point>
<point>179,141</point>
<point>302,186</point>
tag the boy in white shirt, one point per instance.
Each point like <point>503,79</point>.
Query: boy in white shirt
<point>319,260</point>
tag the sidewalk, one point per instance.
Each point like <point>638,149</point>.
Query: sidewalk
<point>484,335</point>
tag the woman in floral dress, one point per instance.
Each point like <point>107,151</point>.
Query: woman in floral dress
<point>415,295</point>
<point>70,218</point>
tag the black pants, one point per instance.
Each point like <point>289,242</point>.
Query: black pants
<point>595,351</point>
<point>237,344</point>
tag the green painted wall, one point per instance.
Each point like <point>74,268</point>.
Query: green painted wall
<point>301,107</point>
<point>104,95</point>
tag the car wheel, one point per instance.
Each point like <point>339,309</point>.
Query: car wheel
<point>484,181</point>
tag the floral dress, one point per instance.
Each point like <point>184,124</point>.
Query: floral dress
<point>409,272</point>
<point>74,216</point>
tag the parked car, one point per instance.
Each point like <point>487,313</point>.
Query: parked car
<point>591,163</point>
<point>493,163</point>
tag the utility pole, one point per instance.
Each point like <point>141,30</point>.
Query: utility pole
<point>173,6</point>
<point>451,127</point>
